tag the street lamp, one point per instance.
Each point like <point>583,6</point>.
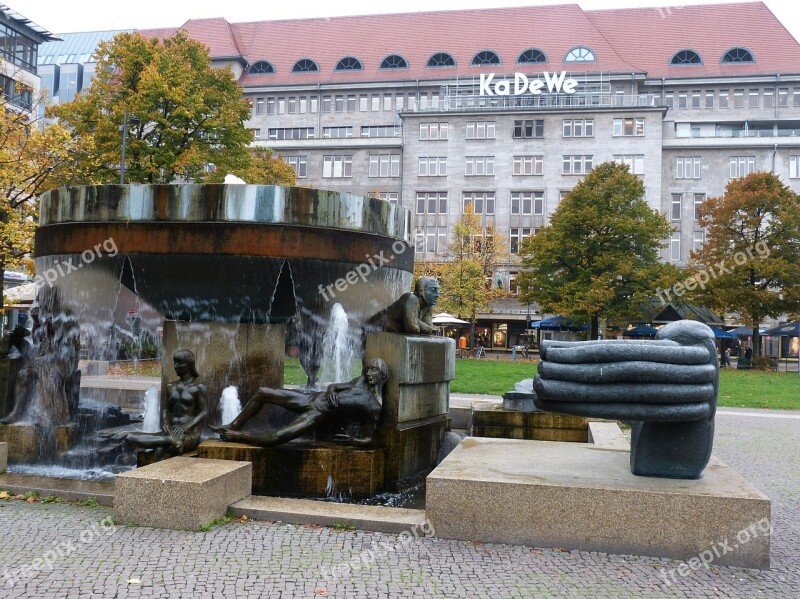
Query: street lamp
<point>124,128</point>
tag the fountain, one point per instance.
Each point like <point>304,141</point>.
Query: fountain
<point>230,406</point>
<point>234,273</point>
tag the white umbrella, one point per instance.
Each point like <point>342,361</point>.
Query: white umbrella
<point>444,319</point>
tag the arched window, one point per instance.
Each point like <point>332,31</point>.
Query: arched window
<point>686,57</point>
<point>484,58</point>
<point>441,59</point>
<point>261,67</point>
<point>305,65</point>
<point>532,56</point>
<point>348,63</point>
<point>737,55</point>
<point>579,54</point>
<point>394,61</point>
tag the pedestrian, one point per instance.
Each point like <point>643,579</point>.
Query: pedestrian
<point>727,357</point>
<point>748,354</point>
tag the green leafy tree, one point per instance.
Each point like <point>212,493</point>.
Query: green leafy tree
<point>263,169</point>
<point>750,262</point>
<point>181,113</point>
<point>599,257</point>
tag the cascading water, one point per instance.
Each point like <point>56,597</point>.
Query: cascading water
<point>229,405</point>
<point>152,411</point>
<point>338,349</point>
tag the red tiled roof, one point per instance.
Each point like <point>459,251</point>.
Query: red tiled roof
<point>623,41</point>
<point>650,37</point>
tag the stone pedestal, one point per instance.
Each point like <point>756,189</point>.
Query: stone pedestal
<point>415,401</point>
<point>496,422</point>
<point>579,496</point>
<point>180,493</point>
<point>27,445</point>
<point>299,470</point>
<point>3,457</point>
<point>248,356</point>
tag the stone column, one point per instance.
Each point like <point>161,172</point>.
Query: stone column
<point>415,402</point>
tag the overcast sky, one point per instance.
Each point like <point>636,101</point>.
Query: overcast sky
<point>60,16</point>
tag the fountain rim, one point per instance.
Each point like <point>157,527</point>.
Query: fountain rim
<point>224,203</point>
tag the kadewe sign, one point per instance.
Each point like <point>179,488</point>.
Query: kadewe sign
<point>552,84</point>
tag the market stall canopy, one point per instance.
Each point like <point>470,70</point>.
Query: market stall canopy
<point>641,331</point>
<point>445,319</point>
<point>787,329</point>
<point>722,334</point>
<point>559,323</point>
<point>746,331</point>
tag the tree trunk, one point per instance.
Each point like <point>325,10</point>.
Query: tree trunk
<point>595,328</point>
<point>472,334</point>
<point>756,339</point>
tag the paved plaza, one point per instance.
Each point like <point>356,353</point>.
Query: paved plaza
<point>90,558</point>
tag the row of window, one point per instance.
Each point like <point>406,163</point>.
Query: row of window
<point>676,206</point>
<point>18,49</point>
<point>698,239</point>
<point>437,60</point>
<point>344,103</point>
<point>753,97</point>
<point>524,203</point>
<point>283,133</point>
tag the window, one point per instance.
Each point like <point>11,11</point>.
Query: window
<point>482,202</point>
<point>262,67</point>
<point>292,133</point>
<point>479,166</point>
<point>376,102</point>
<point>313,104</point>
<point>516,237</point>
<point>528,128</point>
<point>435,240</point>
<point>579,54</point>
<point>440,60</point>
<point>326,104</point>
<point>738,98</point>
<point>724,98</point>
<point>303,104</point>
<point>682,100</point>
<point>363,102</point>
<point>752,98</point>
<point>532,56</point>
<point>398,102</point>
<point>337,166</point>
<point>259,105</point>
<point>699,198</point>
<point>562,193</point>
<point>528,165</point>
<point>299,164</point>
<point>629,127</point>
<point>480,130</point>
<point>669,99</point>
<point>675,246</point>
<point>769,98</point>
<point>20,50</point>
<point>696,94</point>
<point>794,167</point>
<point>685,57</point>
<point>349,63</point>
<point>737,56</point>
<point>281,105</point>
<point>381,131</point>
<point>387,101</point>
<point>337,132</point>
<point>709,99</point>
<point>384,165</point>
<point>292,105</point>
<point>576,165</point>
<point>433,166</point>
<point>578,128</point>
<point>389,196</point>
<point>698,240</point>
<point>523,202</point>
<point>431,202</point>
<point>394,61</point>
<point>742,166</point>
<point>305,65</point>
<point>270,105</point>
<point>675,207</point>
<point>635,162</point>
<point>783,96</point>
<point>687,167</point>
<point>338,103</point>
<point>256,133</point>
<point>351,103</point>
<point>433,130</point>
<point>485,58</point>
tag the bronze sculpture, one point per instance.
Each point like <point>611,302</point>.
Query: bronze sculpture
<point>412,313</point>
<point>668,387</point>
<point>182,417</point>
<point>360,400</point>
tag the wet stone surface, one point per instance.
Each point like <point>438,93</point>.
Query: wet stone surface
<point>259,559</point>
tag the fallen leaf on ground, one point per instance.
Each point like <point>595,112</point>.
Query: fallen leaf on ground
<point>31,500</point>
<point>134,581</point>
<point>321,592</point>
<point>4,495</point>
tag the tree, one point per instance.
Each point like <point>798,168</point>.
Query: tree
<point>263,169</point>
<point>32,160</point>
<point>475,252</point>
<point>750,262</point>
<point>181,113</point>
<point>599,257</point>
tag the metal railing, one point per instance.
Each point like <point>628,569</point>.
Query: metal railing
<point>470,103</point>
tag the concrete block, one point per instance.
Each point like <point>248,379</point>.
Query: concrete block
<point>180,493</point>
<point>3,457</point>
<point>608,435</point>
<point>579,496</point>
